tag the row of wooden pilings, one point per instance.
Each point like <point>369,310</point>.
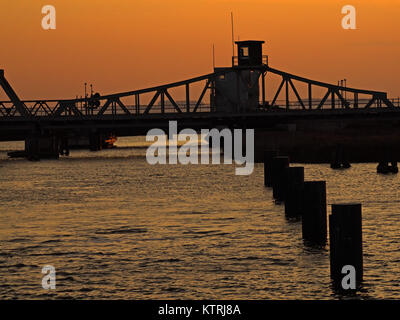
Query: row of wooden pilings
<point>307,200</point>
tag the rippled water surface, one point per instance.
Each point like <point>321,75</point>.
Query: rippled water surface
<point>115,227</point>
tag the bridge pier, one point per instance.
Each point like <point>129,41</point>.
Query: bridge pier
<point>39,145</point>
<point>64,147</point>
<point>339,159</point>
<point>336,142</point>
<point>42,147</point>
<point>384,167</point>
<point>95,142</point>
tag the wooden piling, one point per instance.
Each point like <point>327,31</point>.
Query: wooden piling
<point>279,165</point>
<point>345,236</point>
<point>268,156</point>
<point>293,191</point>
<point>314,224</point>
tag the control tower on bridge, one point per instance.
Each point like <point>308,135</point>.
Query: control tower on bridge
<point>238,89</point>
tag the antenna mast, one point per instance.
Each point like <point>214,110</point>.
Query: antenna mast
<point>213,52</point>
<point>233,36</point>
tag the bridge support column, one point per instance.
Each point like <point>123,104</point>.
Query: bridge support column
<point>41,147</point>
<point>394,167</point>
<point>388,160</point>
<point>384,167</point>
<point>64,147</point>
<point>339,159</point>
<point>95,142</point>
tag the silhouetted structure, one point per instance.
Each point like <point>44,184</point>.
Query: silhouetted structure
<point>237,99</point>
<point>345,233</point>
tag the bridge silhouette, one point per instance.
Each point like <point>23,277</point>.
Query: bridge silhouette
<point>97,105</point>
<point>229,97</point>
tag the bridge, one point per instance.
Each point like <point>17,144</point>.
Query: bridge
<point>232,97</point>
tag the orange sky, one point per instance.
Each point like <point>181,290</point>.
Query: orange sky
<point>123,45</point>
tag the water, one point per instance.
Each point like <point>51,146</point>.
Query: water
<point>115,227</point>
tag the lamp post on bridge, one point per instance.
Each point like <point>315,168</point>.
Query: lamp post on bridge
<point>343,84</point>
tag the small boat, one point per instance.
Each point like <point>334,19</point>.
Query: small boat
<point>109,143</point>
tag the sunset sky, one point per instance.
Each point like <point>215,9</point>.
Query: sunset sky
<point>123,45</point>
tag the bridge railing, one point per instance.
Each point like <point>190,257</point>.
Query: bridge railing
<point>395,101</point>
<point>235,60</point>
<point>46,109</point>
<point>153,100</point>
<point>137,110</point>
<point>351,103</point>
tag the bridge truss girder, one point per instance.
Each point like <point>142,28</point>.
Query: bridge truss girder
<point>332,91</point>
<point>113,104</point>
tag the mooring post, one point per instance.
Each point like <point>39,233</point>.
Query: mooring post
<point>279,165</point>
<point>314,224</point>
<point>293,191</point>
<point>268,156</point>
<point>345,236</point>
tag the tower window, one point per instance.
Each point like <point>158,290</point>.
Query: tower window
<point>244,52</point>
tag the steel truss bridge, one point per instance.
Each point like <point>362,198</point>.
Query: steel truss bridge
<point>161,101</point>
